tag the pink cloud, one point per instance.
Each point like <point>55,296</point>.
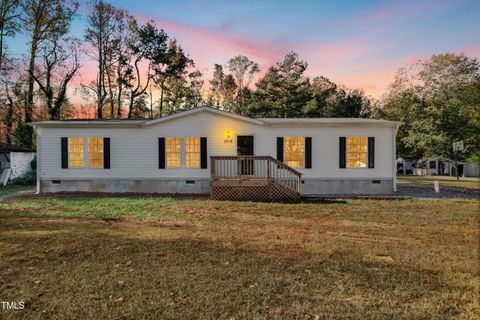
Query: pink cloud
<point>350,63</point>
<point>215,45</point>
<point>337,54</point>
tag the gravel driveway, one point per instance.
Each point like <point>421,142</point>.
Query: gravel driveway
<point>417,190</point>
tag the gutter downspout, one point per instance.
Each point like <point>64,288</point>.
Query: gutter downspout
<point>35,128</point>
<point>394,167</point>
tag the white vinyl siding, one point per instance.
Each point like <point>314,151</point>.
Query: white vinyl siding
<point>134,151</point>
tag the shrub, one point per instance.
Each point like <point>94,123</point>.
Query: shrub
<point>475,157</point>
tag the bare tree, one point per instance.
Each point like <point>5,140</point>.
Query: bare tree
<point>102,25</point>
<point>9,18</point>
<point>149,47</point>
<point>172,68</point>
<point>43,20</point>
<point>118,54</point>
<point>243,70</point>
<point>59,65</point>
<point>11,88</point>
<point>223,89</point>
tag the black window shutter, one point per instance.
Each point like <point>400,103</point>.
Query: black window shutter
<point>308,152</point>
<point>161,153</point>
<point>371,152</point>
<point>203,153</point>
<point>280,149</point>
<point>342,152</point>
<point>64,153</point>
<point>106,153</point>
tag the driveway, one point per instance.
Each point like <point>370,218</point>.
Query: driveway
<point>422,191</point>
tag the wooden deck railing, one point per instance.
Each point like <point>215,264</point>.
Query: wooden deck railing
<point>254,167</point>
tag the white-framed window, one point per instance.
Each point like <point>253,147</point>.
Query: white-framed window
<point>357,148</point>
<point>95,152</point>
<point>294,151</point>
<point>173,150</point>
<point>76,152</point>
<point>192,152</point>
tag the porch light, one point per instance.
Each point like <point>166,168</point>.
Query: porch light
<point>228,134</point>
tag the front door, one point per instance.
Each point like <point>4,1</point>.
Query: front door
<point>245,148</point>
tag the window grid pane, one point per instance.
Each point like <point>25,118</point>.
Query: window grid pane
<point>75,152</point>
<point>173,150</point>
<point>192,152</point>
<point>294,151</point>
<point>356,152</point>
<point>95,152</point>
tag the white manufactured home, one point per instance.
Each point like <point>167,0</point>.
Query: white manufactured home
<point>208,151</point>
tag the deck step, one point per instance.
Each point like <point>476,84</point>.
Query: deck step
<point>255,178</point>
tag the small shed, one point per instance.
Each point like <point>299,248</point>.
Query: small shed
<point>16,158</point>
<point>442,166</point>
<point>406,164</point>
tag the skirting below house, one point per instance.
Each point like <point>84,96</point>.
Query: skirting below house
<point>140,186</point>
<point>346,187</point>
<point>202,186</point>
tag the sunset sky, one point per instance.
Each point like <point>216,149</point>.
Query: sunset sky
<point>359,44</point>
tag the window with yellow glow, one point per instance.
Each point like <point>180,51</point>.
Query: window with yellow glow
<point>356,152</point>
<point>192,152</point>
<point>294,151</point>
<point>95,152</point>
<point>173,151</point>
<point>76,152</point>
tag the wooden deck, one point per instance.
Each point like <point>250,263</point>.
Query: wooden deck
<point>259,178</point>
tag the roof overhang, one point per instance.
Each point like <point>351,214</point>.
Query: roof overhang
<point>328,121</point>
<point>88,124</point>
<point>257,121</point>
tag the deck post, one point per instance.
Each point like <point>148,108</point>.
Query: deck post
<point>212,167</point>
<point>268,169</point>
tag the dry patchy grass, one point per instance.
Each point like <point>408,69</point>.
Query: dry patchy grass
<point>160,258</point>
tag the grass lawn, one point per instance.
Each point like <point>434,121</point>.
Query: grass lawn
<point>161,258</point>
<point>444,181</point>
<point>15,189</point>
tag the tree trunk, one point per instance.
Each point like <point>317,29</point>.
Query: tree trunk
<point>119,93</point>
<point>130,108</point>
<point>151,103</point>
<point>1,45</point>
<point>161,100</point>
<point>30,87</point>
<point>9,116</point>
<point>100,79</point>
<point>112,98</point>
